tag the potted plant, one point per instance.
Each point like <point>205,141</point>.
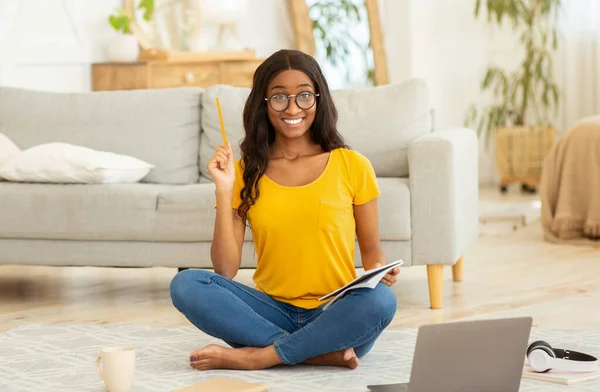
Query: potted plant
<point>524,99</point>
<point>124,47</point>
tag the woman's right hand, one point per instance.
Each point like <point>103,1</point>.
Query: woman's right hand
<point>221,167</point>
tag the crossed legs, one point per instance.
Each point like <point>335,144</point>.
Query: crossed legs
<point>264,333</point>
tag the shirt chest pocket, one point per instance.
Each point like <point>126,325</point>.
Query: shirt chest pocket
<point>335,215</point>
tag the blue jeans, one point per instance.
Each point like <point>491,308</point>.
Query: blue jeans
<point>243,316</point>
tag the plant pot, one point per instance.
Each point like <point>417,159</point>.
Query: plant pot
<point>520,152</point>
<point>123,48</point>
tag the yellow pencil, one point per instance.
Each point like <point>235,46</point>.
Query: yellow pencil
<point>221,120</point>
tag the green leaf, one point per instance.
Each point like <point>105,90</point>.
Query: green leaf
<point>489,128</point>
<point>470,116</point>
<point>524,37</point>
<point>329,49</point>
<point>490,5</point>
<point>544,38</point>
<point>482,125</point>
<point>356,11</point>
<point>555,94</point>
<point>499,14</point>
<point>514,14</point>
<point>148,7</point>
<point>120,21</point>
<point>545,98</point>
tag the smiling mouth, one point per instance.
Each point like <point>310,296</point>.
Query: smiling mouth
<point>294,121</point>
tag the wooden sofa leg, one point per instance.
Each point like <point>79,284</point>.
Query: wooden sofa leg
<point>435,278</point>
<point>457,270</point>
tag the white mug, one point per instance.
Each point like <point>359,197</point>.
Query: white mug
<point>117,368</point>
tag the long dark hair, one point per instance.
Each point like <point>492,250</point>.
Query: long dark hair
<point>260,133</point>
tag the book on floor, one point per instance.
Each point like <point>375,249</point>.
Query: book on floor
<point>555,377</point>
<point>221,384</point>
<point>369,279</point>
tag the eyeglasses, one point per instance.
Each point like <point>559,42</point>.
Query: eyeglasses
<point>280,102</point>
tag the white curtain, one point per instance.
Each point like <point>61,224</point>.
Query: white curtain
<point>578,61</point>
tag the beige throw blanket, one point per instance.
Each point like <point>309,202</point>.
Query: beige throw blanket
<point>570,186</point>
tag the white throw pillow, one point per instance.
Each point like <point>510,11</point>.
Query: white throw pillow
<point>67,163</point>
<point>8,149</point>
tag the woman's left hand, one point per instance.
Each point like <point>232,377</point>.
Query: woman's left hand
<point>390,278</point>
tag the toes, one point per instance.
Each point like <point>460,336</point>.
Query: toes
<point>200,365</point>
<point>348,354</point>
<point>200,354</point>
<point>196,355</point>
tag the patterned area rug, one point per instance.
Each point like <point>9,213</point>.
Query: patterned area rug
<point>61,358</point>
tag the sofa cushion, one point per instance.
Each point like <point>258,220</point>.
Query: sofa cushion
<point>161,127</point>
<point>394,209</point>
<point>380,122</point>
<point>147,212</point>
<point>232,101</point>
<point>119,212</point>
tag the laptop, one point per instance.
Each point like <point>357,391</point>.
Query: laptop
<point>467,356</point>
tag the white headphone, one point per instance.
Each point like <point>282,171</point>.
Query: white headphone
<point>542,358</point>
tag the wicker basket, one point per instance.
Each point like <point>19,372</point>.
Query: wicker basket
<point>520,152</point>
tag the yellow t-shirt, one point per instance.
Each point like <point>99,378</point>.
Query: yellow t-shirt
<point>304,236</point>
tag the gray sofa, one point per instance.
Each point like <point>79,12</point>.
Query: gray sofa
<point>428,179</point>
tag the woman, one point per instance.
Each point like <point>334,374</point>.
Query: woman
<point>306,197</point>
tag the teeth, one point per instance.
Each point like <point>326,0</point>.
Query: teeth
<point>293,122</point>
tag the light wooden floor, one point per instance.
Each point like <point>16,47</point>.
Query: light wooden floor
<point>509,275</point>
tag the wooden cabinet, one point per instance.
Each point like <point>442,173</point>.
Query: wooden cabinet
<point>164,74</point>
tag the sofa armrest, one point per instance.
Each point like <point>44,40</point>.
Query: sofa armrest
<point>444,186</point>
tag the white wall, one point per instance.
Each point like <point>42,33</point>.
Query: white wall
<point>396,25</point>
<point>49,44</point>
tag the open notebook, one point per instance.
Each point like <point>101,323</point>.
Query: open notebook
<point>367,280</point>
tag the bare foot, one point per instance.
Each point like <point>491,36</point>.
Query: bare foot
<point>247,358</point>
<point>344,358</point>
